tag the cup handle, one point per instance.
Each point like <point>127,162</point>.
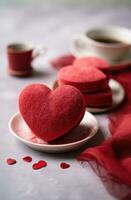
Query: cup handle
<point>39,51</point>
<point>80,43</point>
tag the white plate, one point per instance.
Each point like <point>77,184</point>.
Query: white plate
<point>118,94</point>
<point>87,128</point>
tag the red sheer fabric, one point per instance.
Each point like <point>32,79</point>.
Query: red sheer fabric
<point>112,159</point>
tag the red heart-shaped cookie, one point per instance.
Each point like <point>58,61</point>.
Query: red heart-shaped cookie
<point>86,79</point>
<point>93,62</point>
<point>51,114</point>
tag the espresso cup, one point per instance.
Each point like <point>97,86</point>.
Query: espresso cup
<point>110,43</point>
<point>20,57</point>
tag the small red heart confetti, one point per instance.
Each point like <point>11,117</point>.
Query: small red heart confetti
<point>39,165</point>
<point>11,161</point>
<point>42,163</point>
<point>36,166</point>
<point>27,159</point>
<point>64,165</point>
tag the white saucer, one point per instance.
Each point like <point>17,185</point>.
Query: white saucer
<point>87,128</point>
<point>118,94</point>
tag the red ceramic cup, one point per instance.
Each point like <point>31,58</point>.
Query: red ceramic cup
<point>20,56</point>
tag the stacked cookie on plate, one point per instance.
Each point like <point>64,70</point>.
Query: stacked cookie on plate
<point>91,76</point>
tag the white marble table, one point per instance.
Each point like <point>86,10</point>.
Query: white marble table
<point>52,27</point>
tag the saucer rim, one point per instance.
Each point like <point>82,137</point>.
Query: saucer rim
<point>79,142</point>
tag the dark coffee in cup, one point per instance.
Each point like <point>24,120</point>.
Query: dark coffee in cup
<point>107,40</point>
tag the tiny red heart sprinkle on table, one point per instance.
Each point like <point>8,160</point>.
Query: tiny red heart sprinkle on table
<point>39,165</point>
<point>27,159</point>
<point>11,161</point>
<point>64,165</point>
<point>43,163</point>
<point>36,166</point>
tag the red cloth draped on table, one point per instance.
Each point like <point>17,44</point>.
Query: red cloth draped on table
<point>112,159</point>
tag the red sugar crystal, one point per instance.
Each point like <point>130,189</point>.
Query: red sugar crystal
<point>39,165</point>
<point>64,165</point>
<point>11,161</point>
<point>27,159</point>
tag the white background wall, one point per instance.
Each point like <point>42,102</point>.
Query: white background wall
<point>53,2</point>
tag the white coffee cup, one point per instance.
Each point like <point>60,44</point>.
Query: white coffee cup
<point>87,44</point>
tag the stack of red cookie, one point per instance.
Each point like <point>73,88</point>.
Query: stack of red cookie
<point>90,75</point>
